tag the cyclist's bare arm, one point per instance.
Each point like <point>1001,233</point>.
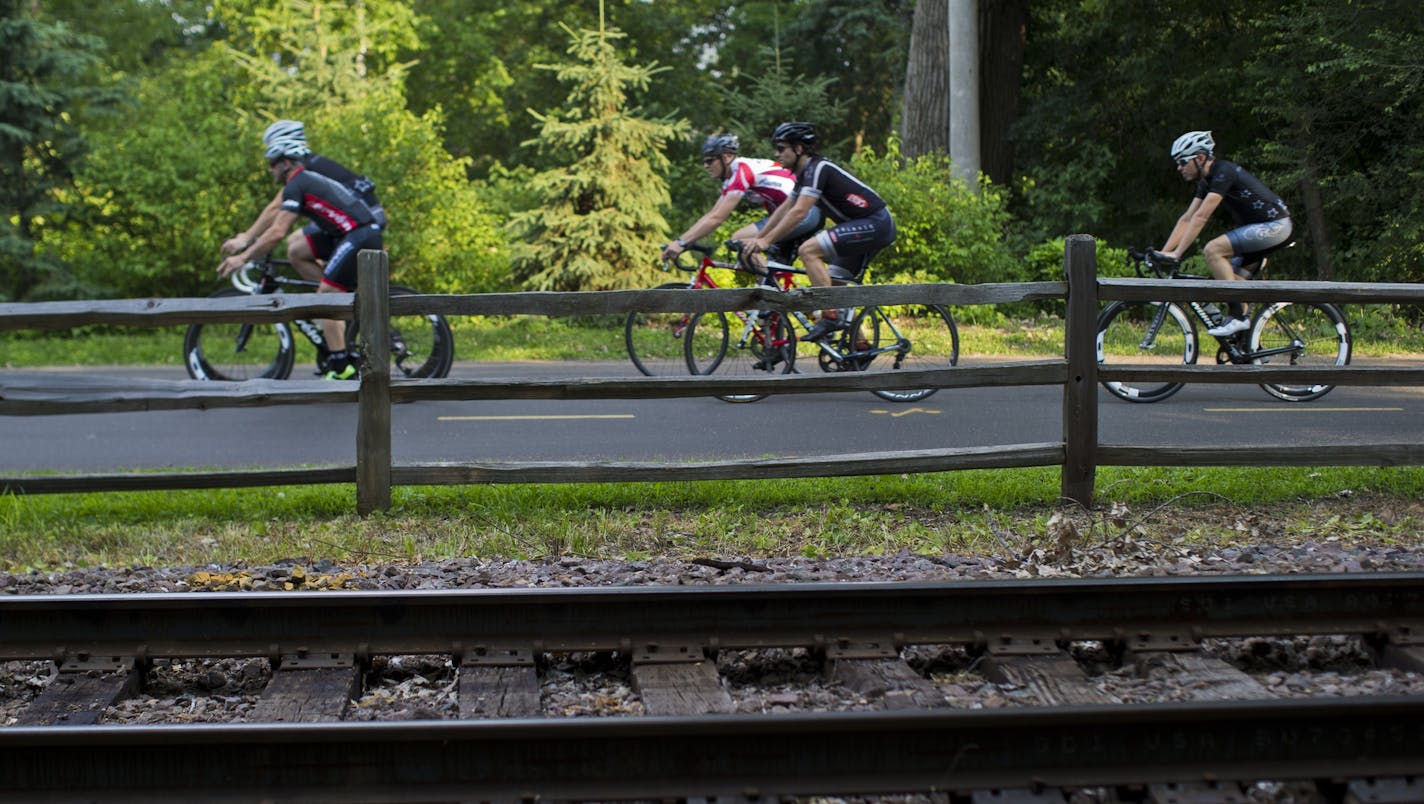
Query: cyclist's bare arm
<point>1191,224</point>
<point>237,243</point>
<point>705,225</point>
<point>781,222</point>
<point>265,241</point>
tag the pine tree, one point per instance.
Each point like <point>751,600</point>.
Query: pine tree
<point>598,221</point>
<point>42,71</point>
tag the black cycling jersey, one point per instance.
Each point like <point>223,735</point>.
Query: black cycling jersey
<point>363,186</point>
<point>841,195</point>
<point>1246,198</point>
<point>332,206</point>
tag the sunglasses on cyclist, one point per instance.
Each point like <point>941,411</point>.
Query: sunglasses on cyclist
<point>1185,159</point>
<point>707,160</point>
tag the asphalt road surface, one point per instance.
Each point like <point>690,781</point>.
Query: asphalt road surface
<point>687,429</point>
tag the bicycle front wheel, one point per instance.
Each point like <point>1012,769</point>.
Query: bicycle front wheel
<point>1300,335</point>
<point>234,352</point>
<point>654,340</point>
<point>421,347</point>
<point>906,337</point>
<point>1151,333</point>
<point>740,344</point>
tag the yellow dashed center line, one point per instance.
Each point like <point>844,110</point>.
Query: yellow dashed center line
<point>1303,409</point>
<point>568,417</point>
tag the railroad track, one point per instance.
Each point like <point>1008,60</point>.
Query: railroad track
<point>688,746</point>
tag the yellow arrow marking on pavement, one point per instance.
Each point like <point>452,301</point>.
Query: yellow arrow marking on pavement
<point>906,412</point>
<point>534,418</point>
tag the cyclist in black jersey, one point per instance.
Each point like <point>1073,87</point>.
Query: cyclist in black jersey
<point>309,246</point>
<point>863,224</point>
<point>341,218</point>
<point>1261,219</point>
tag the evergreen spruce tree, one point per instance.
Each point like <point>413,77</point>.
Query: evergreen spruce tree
<point>43,67</point>
<point>597,223</point>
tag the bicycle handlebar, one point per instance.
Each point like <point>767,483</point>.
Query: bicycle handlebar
<point>1153,261</point>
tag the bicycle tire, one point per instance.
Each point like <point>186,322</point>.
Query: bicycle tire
<point>1319,333</point>
<point>654,340</point>
<point>1123,328</point>
<point>764,345</point>
<point>233,351</point>
<point>905,337</point>
<point>422,346</point>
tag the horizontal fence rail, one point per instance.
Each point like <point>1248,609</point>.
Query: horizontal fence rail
<point>1079,453</point>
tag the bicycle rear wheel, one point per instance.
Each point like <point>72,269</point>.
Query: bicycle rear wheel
<point>1304,335</point>
<point>234,352</point>
<point>1136,333</point>
<point>654,340</point>
<point>727,345</point>
<point>906,337</point>
<point>421,347</point>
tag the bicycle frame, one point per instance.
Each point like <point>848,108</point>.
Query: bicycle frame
<point>269,281</point>
<point>783,277</point>
<point>1230,345</point>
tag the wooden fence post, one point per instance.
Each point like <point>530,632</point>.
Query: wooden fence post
<point>1080,393</point>
<point>373,423</point>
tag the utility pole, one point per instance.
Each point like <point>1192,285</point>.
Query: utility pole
<point>964,89</point>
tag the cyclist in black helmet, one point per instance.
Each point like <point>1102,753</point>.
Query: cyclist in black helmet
<point>863,225</point>
<point>1261,218</point>
<point>757,181</point>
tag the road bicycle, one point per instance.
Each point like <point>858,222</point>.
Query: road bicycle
<point>1165,333</point>
<point>421,345</point>
<point>762,342</point>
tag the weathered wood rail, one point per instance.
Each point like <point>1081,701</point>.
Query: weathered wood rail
<point>1079,452</point>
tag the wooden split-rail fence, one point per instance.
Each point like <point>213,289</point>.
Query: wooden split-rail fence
<point>1079,452</point>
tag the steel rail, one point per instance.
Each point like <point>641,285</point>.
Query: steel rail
<point>1153,611</point>
<point>737,755</point>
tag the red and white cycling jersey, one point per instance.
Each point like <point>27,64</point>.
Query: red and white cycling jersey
<point>760,181</point>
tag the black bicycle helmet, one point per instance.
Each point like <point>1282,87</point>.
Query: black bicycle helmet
<point>718,144</point>
<point>794,132</point>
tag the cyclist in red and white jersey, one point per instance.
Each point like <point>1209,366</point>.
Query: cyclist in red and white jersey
<point>756,181</point>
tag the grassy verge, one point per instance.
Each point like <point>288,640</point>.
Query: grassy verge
<point>987,511</point>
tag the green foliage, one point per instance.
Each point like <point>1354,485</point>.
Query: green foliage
<point>947,232</point>
<point>598,219</point>
<point>1320,96</point>
<point>191,175</point>
<point>45,70</point>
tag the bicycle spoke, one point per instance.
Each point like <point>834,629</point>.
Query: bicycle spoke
<point>1300,335</point>
<point>1145,333</point>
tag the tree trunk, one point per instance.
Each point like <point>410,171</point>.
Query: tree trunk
<point>924,126</point>
<point>1002,30</point>
<point>1315,219</point>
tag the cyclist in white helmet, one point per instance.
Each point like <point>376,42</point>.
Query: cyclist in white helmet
<point>1261,219</point>
<point>318,251</point>
<point>306,247</point>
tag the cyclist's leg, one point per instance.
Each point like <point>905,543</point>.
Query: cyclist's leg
<point>339,276</point>
<point>850,246</point>
<point>303,247</point>
<point>1245,246</point>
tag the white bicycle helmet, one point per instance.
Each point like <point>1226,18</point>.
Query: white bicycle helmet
<point>284,130</point>
<point>1193,143</point>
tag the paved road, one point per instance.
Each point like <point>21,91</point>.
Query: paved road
<point>687,428</point>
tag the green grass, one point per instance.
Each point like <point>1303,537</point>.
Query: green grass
<point>981,511</point>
